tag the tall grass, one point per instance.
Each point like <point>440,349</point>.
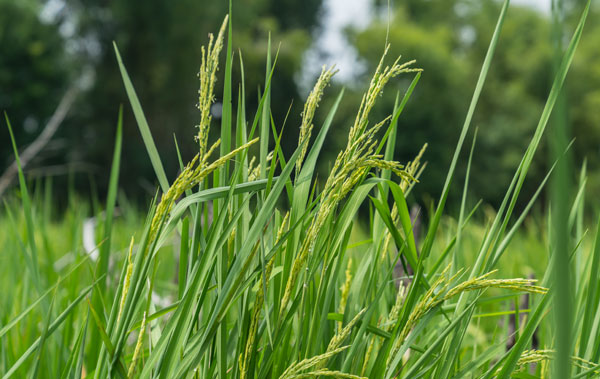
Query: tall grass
<point>257,270</point>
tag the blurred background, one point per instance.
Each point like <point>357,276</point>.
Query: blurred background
<point>57,51</point>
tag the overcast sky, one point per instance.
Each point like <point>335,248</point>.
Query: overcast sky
<point>540,4</point>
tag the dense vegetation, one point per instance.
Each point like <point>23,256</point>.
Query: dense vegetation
<point>250,264</point>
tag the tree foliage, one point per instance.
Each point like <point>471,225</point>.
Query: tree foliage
<point>449,40</point>
<point>160,42</point>
<point>33,71</point>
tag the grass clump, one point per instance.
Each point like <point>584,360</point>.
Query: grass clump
<point>271,279</point>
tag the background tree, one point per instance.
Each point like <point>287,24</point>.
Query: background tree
<point>160,43</point>
<point>449,40</point>
<point>34,72</point>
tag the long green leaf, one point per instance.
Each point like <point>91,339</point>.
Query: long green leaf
<point>143,125</point>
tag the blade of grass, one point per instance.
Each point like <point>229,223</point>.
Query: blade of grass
<point>51,329</point>
<point>73,369</point>
<point>478,88</point>
<point>33,253</point>
<point>103,257</point>
<point>43,337</point>
<point>143,125</point>
<point>105,338</point>
<point>266,114</point>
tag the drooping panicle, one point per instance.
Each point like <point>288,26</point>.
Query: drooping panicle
<point>208,77</point>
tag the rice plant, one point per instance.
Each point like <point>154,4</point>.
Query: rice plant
<point>255,270</point>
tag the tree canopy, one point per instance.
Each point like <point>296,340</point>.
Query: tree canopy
<point>160,45</point>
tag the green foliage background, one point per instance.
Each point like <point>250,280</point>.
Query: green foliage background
<point>449,39</point>
<point>161,40</point>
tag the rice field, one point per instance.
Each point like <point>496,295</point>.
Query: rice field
<point>248,265</point>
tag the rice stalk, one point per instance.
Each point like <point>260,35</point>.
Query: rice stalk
<point>192,175</point>
<point>208,78</point>
<point>138,347</point>
<point>311,105</point>
<point>295,370</point>
<point>547,355</point>
<point>345,291</point>
<point>440,292</point>
<point>351,165</point>
<point>258,304</point>
<point>127,281</point>
<point>326,373</point>
<point>411,168</point>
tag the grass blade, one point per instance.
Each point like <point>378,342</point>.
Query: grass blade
<point>143,125</point>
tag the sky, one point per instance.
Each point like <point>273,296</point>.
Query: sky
<point>543,5</point>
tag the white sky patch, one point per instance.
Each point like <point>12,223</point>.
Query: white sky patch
<point>542,5</point>
<point>331,46</point>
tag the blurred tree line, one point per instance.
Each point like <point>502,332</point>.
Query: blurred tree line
<point>449,39</point>
<point>160,43</point>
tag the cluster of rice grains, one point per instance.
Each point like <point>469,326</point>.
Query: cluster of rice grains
<point>349,169</point>
<point>352,164</point>
<point>277,276</point>
<point>265,290</point>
